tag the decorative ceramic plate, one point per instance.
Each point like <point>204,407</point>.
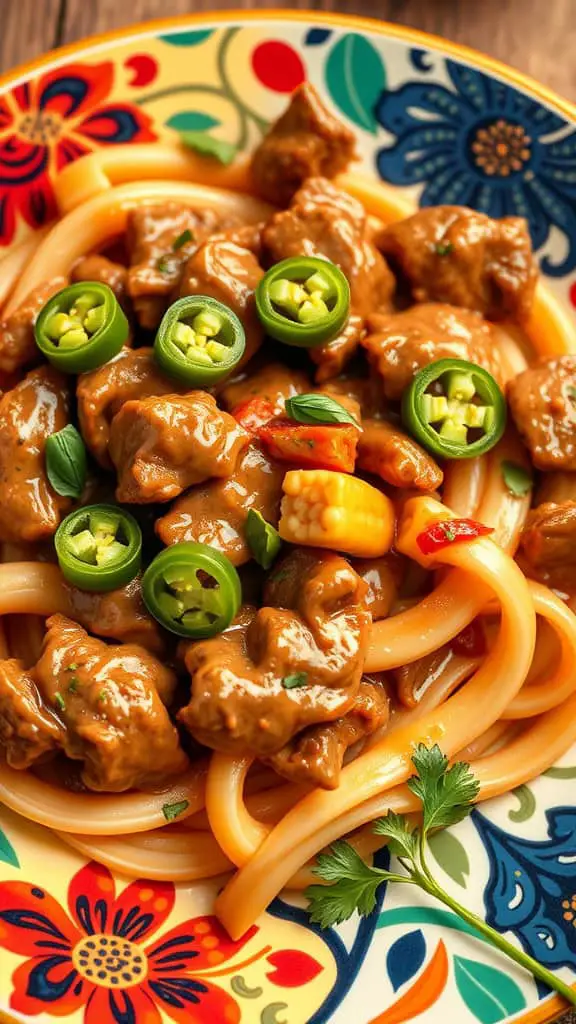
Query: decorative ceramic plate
<point>445,126</point>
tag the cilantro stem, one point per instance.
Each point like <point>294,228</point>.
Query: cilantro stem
<point>522,959</point>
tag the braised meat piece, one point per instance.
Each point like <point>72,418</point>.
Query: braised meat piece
<point>556,487</point>
<point>155,265</point>
<point>161,446</point>
<point>18,348</point>
<point>30,510</point>
<point>324,221</point>
<point>105,271</point>
<point>306,141</point>
<point>542,401</point>
<point>402,343</point>
<point>332,357</point>
<point>215,513</point>
<point>461,257</point>
<point>111,702</point>
<point>382,576</point>
<point>117,615</point>
<point>29,732</point>
<point>298,663</point>
<point>384,449</point>
<point>548,545</point>
<point>274,382</point>
<point>132,374</point>
<point>229,273</point>
<point>315,756</point>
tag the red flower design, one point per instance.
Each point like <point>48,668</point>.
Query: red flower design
<point>101,957</point>
<point>48,122</point>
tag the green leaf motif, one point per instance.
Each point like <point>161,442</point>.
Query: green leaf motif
<point>355,77</point>
<point>450,854</point>
<point>192,121</point>
<point>489,994</point>
<point>187,38</point>
<point>561,773</point>
<point>7,851</point>
<point>527,805</point>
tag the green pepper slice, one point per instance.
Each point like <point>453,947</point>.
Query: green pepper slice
<point>303,301</point>
<point>99,547</point>
<point>455,409</point>
<point>81,327</point>
<point>199,341</point>
<point>192,590</point>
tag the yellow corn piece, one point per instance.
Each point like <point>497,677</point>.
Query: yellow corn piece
<point>335,510</point>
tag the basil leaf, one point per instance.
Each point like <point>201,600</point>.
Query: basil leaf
<point>517,479</point>
<point>172,811</point>
<point>443,248</point>
<point>317,409</point>
<point>294,681</point>
<point>263,539</point>
<point>207,145</point>
<point>66,462</point>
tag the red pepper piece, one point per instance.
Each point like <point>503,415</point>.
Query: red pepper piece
<point>450,531</point>
<point>471,642</point>
<point>310,444</point>
<point>253,413</point>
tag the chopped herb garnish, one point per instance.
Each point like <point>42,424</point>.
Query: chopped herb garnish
<point>164,265</point>
<point>517,479</point>
<point>102,696</point>
<point>72,667</point>
<point>294,681</point>
<point>172,811</point>
<point>73,685</point>
<point>572,393</point>
<point>59,700</point>
<point>182,239</point>
<point>449,533</point>
<point>443,248</point>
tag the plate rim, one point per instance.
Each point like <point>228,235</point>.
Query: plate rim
<point>550,1008</point>
<point>360,22</point>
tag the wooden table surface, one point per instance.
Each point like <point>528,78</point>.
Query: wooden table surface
<point>536,36</point>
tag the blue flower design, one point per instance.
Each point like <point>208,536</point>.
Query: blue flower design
<point>532,887</point>
<point>484,144</point>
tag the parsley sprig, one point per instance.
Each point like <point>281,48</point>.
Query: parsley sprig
<point>447,793</point>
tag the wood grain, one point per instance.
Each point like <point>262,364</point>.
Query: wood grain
<point>535,36</point>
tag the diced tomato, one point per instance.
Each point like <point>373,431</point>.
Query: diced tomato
<point>450,531</point>
<point>253,413</point>
<point>471,642</point>
<point>318,445</point>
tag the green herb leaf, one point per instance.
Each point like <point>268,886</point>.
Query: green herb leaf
<point>294,681</point>
<point>72,667</point>
<point>448,532</point>
<point>402,838</point>
<point>354,889</point>
<point>182,240</point>
<point>102,697</point>
<point>572,392</point>
<point>443,248</point>
<point>517,479</point>
<point>66,462</point>
<point>263,539</point>
<point>317,408</point>
<point>73,684</point>
<point>173,811</point>
<point>207,145</point>
<point>446,793</point>
<point>165,265</point>
<point>59,700</point>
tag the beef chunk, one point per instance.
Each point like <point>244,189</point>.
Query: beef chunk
<point>274,382</point>
<point>30,510</point>
<point>103,270</point>
<point>315,756</point>
<point>17,345</point>
<point>464,258</point>
<point>402,343</point>
<point>117,615</point>
<point>298,663</point>
<point>29,732</point>
<point>229,273</point>
<point>332,357</point>
<point>384,449</point>
<point>215,513</point>
<point>543,403</point>
<point>548,544</point>
<point>324,221</point>
<point>161,446</point>
<point>155,265</point>
<point>133,374</point>
<point>382,576</point>
<point>111,702</point>
<point>306,141</point>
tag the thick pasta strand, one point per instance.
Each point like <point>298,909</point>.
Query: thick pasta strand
<point>12,265</point>
<point>159,855</point>
<point>104,217</point>
<point>464,482</point>
<point>34,588</point>
<point>470,712</point>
